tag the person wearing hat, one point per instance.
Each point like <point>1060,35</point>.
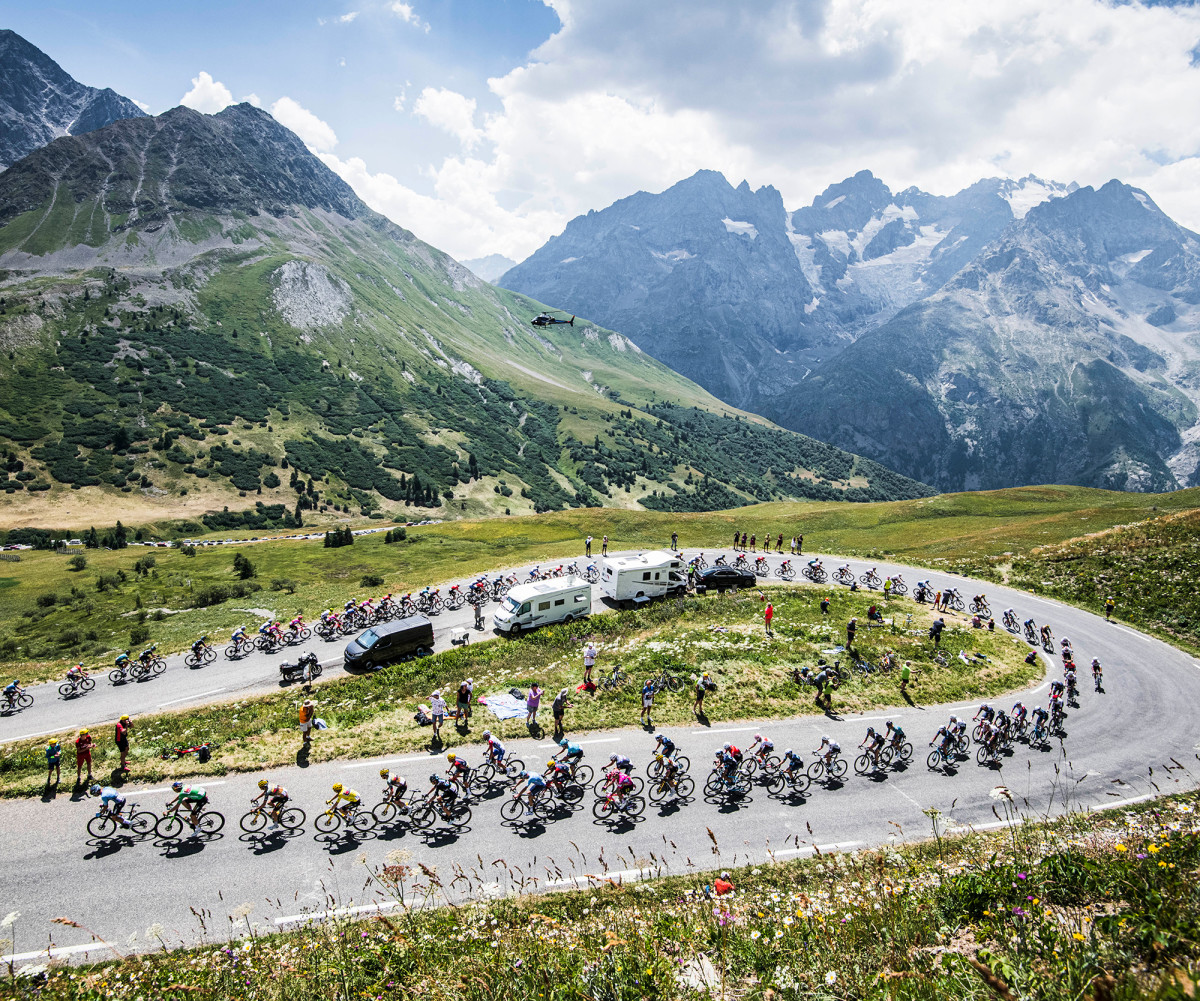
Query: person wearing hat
<point>53,760</point>
<point>307,711</point>
<point>437,709</point>
<point>462,703</point>
<point>121,738</point>
<point>559,709</point>
<point>703,687</point>
<point>721,885</point>
<point>589,662</point>
<point>83,754</point>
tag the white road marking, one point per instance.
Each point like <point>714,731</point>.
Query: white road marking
<point>41,734</point>
<point>836,846</point>
<point>390,761</point>
<point>896,788</point>
<point>60,950</point>
<point>188,698</point>
<point>151,792</point>
<point>731,729</point>
<point>626,875</point>
<point>337,912</point>
<point>598,740</point>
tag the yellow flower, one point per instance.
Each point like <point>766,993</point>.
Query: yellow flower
<point>1153,849</point>
<point>1077,937</point>
<point>1121,848</point>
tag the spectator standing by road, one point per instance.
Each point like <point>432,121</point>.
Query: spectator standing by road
<point>587,547</point>
<point>753,539</point>
<point>735,541</point>
<point>674,541</point>
<point>703,687</point>
<point>589,662</point>
<point>851,629</point>
<point>905,676</point>
<point>937,600</point>
<point>935,631</point>
<point>559,708</point>
<point>647,701</point>
<point>1109,608</point>
<point>768,615</point>
<point>437,709</point>
<point>83,754</point>
<point>462,704</point>
<point>532,701</point>
<point>779,543</point>
<point>121,738</point>
<point>53,760</point>
<point>307,711</point>
<point>743,542</point>
<point>307,676</point>
<point>800,544</point>
<point>604,546</point>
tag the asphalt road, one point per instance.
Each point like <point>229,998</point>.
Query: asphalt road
<point>1120,745</point>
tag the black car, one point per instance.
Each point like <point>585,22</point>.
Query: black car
<point>720,578</point>
<point>389,642</point>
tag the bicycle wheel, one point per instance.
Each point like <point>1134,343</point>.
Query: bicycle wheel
<point>513,767</point>
<point>799,782</point>
<point>583,775</point>
<point>654,769</point>
<point>816,771</point>
<point>658,791</point>
<point>740,786</point>
<point>682,763</point>
<point>117,676</point>
<point>862,764</point>
<point>142,823</point>
<point>328,822</point>
<point>905,751</point>
<point>211,822</point>
<point>101,827</point>
<point>839,768</point>
<point>674,683</point>
<point>635,806</point>
<point>231,652</point>
<point>602,808</point>
<point>460,816</point>
<point>749,767</point>
<point>885,756</point>
<point>422,817</point>
<point>934,758</point>
<point>24,700</point>
<point>512,809</point>
<point>168,827</point>
<point>774,785</point>
<point>362,821</point>
<point>684,787</point>
<point>292,818</point>
<point>253,822</point>
<point>983,754</point>
<point>385,812</point>
<point>771,763</point>
<point>157,667</point>
<point>572,794</point>
<point>66,689</point>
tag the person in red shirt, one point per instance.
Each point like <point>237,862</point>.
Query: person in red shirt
<point>721,885</point>
<point>83,754</point>
<point>768,615</point>
<point>121,737</point>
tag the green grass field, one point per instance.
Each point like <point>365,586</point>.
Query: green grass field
<point>57,616</point>
<point>370,714</point>
<point>1094,906</point>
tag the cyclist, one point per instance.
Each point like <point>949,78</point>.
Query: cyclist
<point>1097,673</point>
<point>200,646</point>
<point>815,563</point>
<point>841,571</point>
<point>957,727</point>
<point>272,799</point>
<point>494,752</point>
<point>1039,717</point>
<point>1056,691</point>
<point>111,802</point>
<point>11,691</point>
<point>620,763</point>
<point>987,712</point>
<point>622,786</point>
<point>896,735</point>
<point>444,792</point>
<point>1010,618</point>
<point>76,674</point>
<point>1030,626</point>
<point>791,761</point>
<point>572,754</point>
<point>664,745</point>
<point>1019,712</point>
<point>981,599</point>
<point>532,785</point>
<point>239,635</point>
<point>459,771</point>
<point>874,743</point>
<point>1047,635</point>
<point>1067,650</point>
<point>1109,608</point>
<point>557,773</point>
<point>828,750</point>
<point>1069,678</point>
<point>344,802</point>
<point>761,748</point>
<point>728,762</point>
<point>942,738</point>
<point>991,737</point>
<point>192,797</point>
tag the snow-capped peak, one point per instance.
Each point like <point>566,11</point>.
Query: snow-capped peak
<point>1029,191</point>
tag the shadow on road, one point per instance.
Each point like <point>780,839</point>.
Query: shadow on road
<point>302,756</point>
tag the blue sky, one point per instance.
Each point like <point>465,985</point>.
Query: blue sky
<point>485,125</point>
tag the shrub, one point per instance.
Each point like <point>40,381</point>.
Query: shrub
<point>69,637</point>
<point>138,635</point>
<point>371,580</point>
<point>243,567</point>
<point>284,584</point>
<point>47,599</point>
<point>77,563</point>
<point>107,581</point>
<point>144,565</point>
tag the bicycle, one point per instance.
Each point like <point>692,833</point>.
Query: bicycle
<point>291,819</point>
<point>981,608</point>
<point>390,807</point>
<point>718,783</point>
<point>170,825</point>
<point>898,585</point>
<point>818,575</point>
<point>681,785</point>
<point>871,579</point>
<point>202,751</point>
<point>631,806</point>
<point>666,682</point>
<point>822,769</point>
<point>797,779</point>
<point>150,662</point>
<point>457,816</point>
<point>486,773</point>
<point>105,824</point>
<point>1010,622</point>
<point>1031,632</point>
<point>785,570</point>
<point>751,765</point>
<point>989,752</point>
<point>615,679</point>
<point>354,818</point>
<point>76,686</point>
<point>598,786</point>
<point>242,647</point>
<point>940,755</point>
<point>20,700</point>
<point>843,576</point>
<point>194,658</point>
<point>654,769</point>
<point>515,806</point>
<point>901,749</point>
<point>873,761</point>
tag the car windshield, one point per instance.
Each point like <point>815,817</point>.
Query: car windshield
<point>368,639</point>
<point>511,604</point>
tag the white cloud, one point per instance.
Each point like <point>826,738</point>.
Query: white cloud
<point>252,99</point>
<point>207,95</point>
<point>629,95</point>
<point>399,99</point>
<point>347,18</point>
<point>406,13</point>
<point>314,133</point>
<point>141,104</point>
<point>451,112</point>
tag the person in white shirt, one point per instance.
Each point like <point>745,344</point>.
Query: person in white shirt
<point>589,662</point>
<point>437,708</point>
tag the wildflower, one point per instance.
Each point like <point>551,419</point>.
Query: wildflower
<point>1120,848</point>
<point>755,935</point>
<point>830,978</point>
<point>1077,937</point>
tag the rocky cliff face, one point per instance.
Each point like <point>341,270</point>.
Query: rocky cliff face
<point>39,101</point>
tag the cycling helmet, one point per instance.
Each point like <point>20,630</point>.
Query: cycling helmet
<point>337,787</point>
<point>486,734</point>
<point>953,719</point>
<point>659,736</point>
<point>551,763</point>
<point>383,773</point>
<point>787,753</point>
<point>1095,662</point>
<point>824,738</point>
<point>612,757</point>
<point>95,790</point>
<point>524,774</point>
<point>433,777</point>
<point>451,756</point>
<point>562,741</point>
<point>262,783</point>
<point>177,786</point>
<point>891,724</point>
<point>758,736</point>
<point>870,731</point>
<point>1039,709</point>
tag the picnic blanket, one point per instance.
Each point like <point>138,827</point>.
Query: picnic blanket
<point>503,706</point>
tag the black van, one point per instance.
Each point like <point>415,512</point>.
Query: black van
<point>390,641</point>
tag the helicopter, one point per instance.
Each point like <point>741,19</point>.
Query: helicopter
<point>546,320</point>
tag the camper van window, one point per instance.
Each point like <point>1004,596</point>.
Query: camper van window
<point>512,604</point>
<point>580,598</point>
<point>524,608</point>
<point>368,639</point>
<point>656,575</point>
<point>543,605</point>
<point>646,575</point>
<point>559,601</point>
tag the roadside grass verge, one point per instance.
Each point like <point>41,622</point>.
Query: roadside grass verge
<point>373,714</point>
<point>1103,906</point>
<point>57,616</point>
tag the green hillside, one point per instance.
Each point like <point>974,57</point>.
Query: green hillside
<point>195,313</point>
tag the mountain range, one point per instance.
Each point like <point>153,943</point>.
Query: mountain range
<point>1019,331</point>
<point>196,314</point>
<point>39,101</point>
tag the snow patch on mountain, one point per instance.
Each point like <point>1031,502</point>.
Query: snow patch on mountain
<point>1024,194</point>
<point>741,228</point>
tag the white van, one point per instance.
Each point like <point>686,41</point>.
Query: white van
<point>637,579</point>
<point>527,606</point>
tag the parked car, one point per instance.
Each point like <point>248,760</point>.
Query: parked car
<point>722,578</point>
<point>389,642</point>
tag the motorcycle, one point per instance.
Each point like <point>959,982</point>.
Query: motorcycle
<point>295,672</point>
